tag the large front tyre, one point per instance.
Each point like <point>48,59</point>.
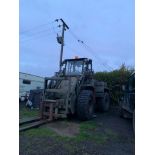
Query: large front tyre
<point>85,105</point>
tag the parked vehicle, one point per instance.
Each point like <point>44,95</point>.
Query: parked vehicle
<point>127,102</point>
<point>35,98</point>
<point>74,91</point>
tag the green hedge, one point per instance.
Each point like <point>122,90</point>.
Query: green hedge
<point>115,79</point>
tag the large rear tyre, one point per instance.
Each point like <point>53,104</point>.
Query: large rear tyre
<point>104,103</point>
<point>85,105</point>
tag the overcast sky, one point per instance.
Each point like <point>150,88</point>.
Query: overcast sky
<point>106,26</point>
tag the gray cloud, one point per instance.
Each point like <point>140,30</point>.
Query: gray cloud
<point>106,26</point>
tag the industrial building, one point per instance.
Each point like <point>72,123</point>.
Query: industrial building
<point>29,82</point>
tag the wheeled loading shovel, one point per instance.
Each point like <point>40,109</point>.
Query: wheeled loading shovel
<point>73,91</point>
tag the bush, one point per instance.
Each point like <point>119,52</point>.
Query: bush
<point>115,79</point>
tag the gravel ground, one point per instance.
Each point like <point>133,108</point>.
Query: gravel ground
<point>107,134</point>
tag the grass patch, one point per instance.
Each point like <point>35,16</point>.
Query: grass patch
<point>86,135</point>
<point>88,125</point>
<point>86,129</point>
<point>25,112</point>
<point>88,132</point>
<point>39,132</point>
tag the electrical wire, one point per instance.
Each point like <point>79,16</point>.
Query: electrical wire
<point>39,37</point>
<point>89,49</point>
<point>34,35</point>
<point>36,27</point>
<point>84,45</point>
<point>34,32</point>
<point>39,34</point>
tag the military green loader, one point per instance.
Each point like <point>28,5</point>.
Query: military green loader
<point>73,91</point>
<point>127,101</point>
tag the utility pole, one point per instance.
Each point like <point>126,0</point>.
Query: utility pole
<point>60,40</point>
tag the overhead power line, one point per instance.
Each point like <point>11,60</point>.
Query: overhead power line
<point>35,34</point>
<point>36,27</point>
<point>35,31</point>
<point>37,37</point>
<point>94,53</point>
<point>89,49</point>
<point>32,35</point>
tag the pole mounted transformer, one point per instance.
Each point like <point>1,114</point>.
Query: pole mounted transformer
<point>60,39</point>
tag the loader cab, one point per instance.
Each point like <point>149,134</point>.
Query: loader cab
<point>76,67</point>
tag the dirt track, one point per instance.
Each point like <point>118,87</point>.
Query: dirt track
<point>110,135</point>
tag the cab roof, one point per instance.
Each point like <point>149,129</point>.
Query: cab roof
<point>76,59</point>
